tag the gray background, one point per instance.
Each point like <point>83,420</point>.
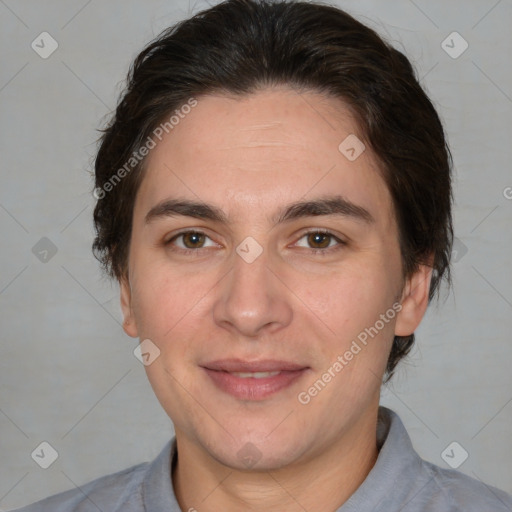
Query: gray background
<point>68,374</point>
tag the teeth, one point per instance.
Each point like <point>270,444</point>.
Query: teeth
<point>254,375</point>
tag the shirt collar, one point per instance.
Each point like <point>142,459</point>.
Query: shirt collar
<point>395,477</point>
<point>157,490</point>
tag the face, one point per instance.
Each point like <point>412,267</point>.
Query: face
<point>258,310</point>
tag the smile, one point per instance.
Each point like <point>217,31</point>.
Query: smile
<point>253,380</point>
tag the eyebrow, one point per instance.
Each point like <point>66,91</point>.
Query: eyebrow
<point>332,205</point>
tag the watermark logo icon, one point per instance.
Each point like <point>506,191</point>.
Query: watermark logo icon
<point>351,147</point>
<point>454,45</point>
<point>459,250</point>
<point>146,352</point>
<point>44,45</point>
<point>249,455</point>
<point>249,249</point>
<point>454,455</point>
<point>44,455</point>
<point>44,250</point>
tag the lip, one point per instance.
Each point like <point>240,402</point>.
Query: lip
<point>263,365</point>
<point>251,388</point>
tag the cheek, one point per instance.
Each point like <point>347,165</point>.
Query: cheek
<point>175,389</point>
<point>156,300</point>
<point>172,308</point>
<point>351,305</point>
<point>352,297</point>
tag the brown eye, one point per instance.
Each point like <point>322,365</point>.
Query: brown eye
<point>319,240</point>
<point>192,239</point>
<point>189,241</point>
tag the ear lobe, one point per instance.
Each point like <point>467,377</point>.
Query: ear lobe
<point>414,301</point>
<point>129,325</point>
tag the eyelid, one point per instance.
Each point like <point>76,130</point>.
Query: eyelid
<point>322,231</point>
<point>340,242</point>
<point>185,232</point>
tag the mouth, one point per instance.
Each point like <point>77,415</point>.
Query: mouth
<point>254,380</point>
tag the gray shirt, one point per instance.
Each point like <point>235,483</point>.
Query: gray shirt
<point>400,481</point>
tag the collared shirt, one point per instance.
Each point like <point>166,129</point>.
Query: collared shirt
<point>400,481</point>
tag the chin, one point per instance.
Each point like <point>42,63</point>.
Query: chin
<point>257,451</point>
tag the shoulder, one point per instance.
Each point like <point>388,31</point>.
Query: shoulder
<point>419,485</point>
<point>117,491</point>
<point>460,492</point>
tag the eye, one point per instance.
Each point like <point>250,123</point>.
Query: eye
<point>191,241</point>
<point>320,241</point>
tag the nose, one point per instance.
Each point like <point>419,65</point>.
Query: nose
<point>253,299</point>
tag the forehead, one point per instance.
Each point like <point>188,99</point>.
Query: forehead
<point>275,145</point>
<point>281,119</point>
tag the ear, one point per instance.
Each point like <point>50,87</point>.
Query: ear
<point>129,325</point>
<point>414,301</point>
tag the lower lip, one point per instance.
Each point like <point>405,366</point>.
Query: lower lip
<point>251,388</point>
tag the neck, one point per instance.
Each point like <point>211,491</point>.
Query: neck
<point>202,483</point>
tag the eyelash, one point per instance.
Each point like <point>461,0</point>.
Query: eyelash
<point>320,252</point>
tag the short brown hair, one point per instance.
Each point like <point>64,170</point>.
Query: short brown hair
<point>240,46</point>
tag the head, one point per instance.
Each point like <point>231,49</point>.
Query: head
<point>246,110</point>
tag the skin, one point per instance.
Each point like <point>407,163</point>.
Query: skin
<point>251,157</point>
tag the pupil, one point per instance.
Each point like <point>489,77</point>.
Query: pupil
<point>195,236</point>
<point>317,239</point>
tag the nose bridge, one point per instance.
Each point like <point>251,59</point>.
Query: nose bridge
<point>252,297</point>
<point>250,272</point>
